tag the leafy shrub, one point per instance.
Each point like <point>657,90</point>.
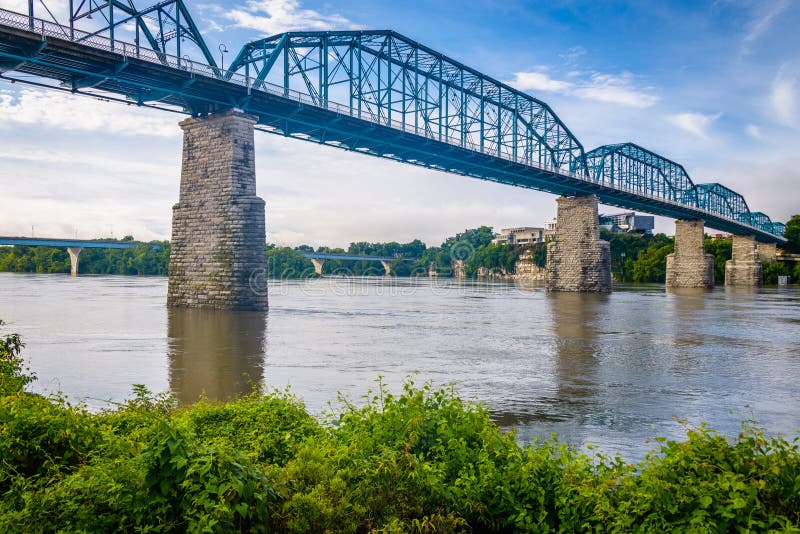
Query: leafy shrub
<point>14,375</point>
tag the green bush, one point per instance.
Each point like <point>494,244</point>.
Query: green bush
<point>419,461</point>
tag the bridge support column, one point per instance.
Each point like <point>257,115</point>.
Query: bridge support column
<point>218,257</point>
<point>577,259</point>
<point>744,268</point>
<point>74,256</point>
<point>689,265</point>
<point>432,269</point>
<point>318,263</point>
<point>767,251</point>
<point>387,266</point>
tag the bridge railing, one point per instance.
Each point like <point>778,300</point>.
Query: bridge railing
<point>134,50</point>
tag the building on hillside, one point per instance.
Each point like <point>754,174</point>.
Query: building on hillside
<point>524,235</point>
<point>550,229</point>
<point>621,223</point>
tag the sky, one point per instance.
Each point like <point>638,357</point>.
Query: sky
<point>713,85</point>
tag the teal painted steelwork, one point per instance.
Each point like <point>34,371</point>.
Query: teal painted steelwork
<point>375,92</point>
<point>393,80</point>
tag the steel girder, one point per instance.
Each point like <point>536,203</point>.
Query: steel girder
<point>633,167</point>
<point>386,77</point>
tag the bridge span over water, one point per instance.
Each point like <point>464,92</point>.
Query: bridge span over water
<point>375,92</point>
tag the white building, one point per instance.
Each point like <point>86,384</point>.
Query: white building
<point>523,235</point>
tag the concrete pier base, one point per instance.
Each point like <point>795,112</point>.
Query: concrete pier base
<point>74,256</point>
<point>387,266</point>
<point>577,259</point>
<point>317,263</point>
<point>218,257</point>
<point>744,268</point>
<point>689,265</point>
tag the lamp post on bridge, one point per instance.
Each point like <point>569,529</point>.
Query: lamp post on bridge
<point>222,51</point>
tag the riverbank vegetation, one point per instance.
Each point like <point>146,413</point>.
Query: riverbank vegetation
<point>634,257</point>
<point>422,460</point>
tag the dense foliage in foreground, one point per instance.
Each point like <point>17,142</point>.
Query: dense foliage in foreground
<point>421,461</point>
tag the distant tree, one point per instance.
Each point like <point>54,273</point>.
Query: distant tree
<point>792,234</point>
<point>285,262</point>
<point>721,249</point>
<point>772,270</point>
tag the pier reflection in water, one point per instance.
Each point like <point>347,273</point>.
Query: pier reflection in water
<point>215,354</point>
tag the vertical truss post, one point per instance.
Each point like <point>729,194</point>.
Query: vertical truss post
<point>515,118</point>
<point>483,118</point>
<point>30,15</point>
<point>499,121</point>
<point>360,78</point>
<point>111,24</point>
<point>178,37</point>
<point>71,21</point>
<point>462,112</point>
<point>416,90</point>
<point>441,99</point>
<point>350,74</point>
<point>389,81</point>
<point>286,49</point>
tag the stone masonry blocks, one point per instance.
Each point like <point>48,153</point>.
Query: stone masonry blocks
<point>577,259</point>
<point>744,267</point>
<point>218,257</point>
<point>689,265</point>
<point>767,251</point>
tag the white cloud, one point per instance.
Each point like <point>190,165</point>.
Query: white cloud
<point>277,16</point>
<point>754,131</point>
<point>696,124</point>
<point>784,97</point>
<point>67,112</point>
<point>19,6</point>
<point>537,81</point>
<point>607,88</point>
<point>759,25</point>
<point>616,90</point>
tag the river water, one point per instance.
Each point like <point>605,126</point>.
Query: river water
<point>609,370</point>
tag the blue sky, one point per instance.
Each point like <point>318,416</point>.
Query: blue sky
<point>712,85</point>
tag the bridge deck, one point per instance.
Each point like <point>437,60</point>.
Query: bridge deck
<point>97,68</point>
<point>48,242</point>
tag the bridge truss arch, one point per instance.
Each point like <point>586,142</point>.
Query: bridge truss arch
<point>635,168</point>
<point>390,79</point>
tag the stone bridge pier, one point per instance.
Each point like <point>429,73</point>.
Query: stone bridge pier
<point>744,267</point>
<point>218,257</point>
<point>387,266</point>
<point>767,251</point>
<point>689,265</point>
<point>317,263</point>
<point>74,256</point>
<point>577,259</point>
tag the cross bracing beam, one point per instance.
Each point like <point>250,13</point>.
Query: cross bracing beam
<point>405,104</point>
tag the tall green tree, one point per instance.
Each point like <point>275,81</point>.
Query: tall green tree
<point>792,234</point>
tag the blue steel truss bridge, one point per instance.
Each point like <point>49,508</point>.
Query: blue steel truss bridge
<point>375,92</point>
